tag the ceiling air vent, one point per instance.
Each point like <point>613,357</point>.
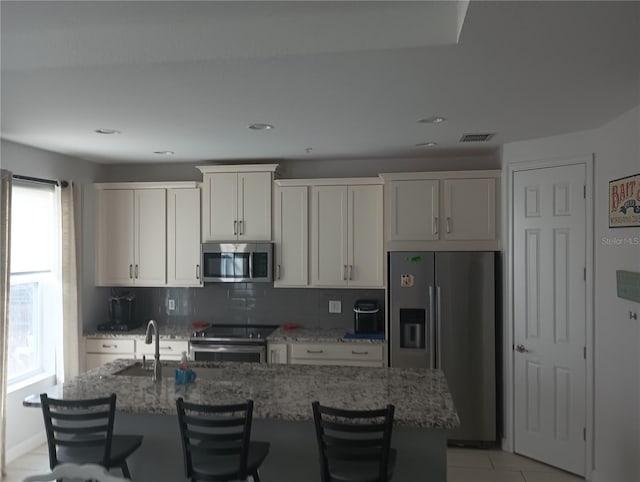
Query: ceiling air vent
<point>476,137</point>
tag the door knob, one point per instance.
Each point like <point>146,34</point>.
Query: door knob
<point>521,349</point>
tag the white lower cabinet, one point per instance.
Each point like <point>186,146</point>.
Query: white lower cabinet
<point>169,349</point>
<point>344,354</point>
<point>277,354</point>
<point>99,351</point>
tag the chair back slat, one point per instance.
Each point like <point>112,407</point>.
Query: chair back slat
<point>215,430</point>
<point>78,424</point>
<point>353,435</point>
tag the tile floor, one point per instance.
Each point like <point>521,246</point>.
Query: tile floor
<point>465,465</point>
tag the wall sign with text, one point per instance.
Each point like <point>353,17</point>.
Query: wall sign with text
<point>624,202</point>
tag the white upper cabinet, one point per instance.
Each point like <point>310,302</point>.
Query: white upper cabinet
<point>183,237</point>
<point>415,205</point>
<point>114,237</point>
<point>469,209</point>
<point>131,237</point>
<point>439,211</point>
<point>236,203</point>
<point>329,222</point>
<point>291,235</point>
<point>148,234</point>
<point>364,233</point>
<point>346,235</point>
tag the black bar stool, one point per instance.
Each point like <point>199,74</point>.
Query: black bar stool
<point>81,432</point>
<point>216,442</point>
<point>354,445</point>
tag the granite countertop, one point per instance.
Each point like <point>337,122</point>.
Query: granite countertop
<point>285,392</point>
<point>168,332</point>
<point>300,334</point>
<point>319,335</point>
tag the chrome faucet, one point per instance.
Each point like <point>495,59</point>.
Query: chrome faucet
<point>157,366</point>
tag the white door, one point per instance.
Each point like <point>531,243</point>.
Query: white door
<point>115,221</point>
<point>550,315</point>
<point>469,209</point>
<point>183,237</point>
<point>254,206</point>
<point>150,239</point>
<point>221,208</point>
<point>291,236</point>
<point>414,210</point>
<point>329,219</point>
<point>365,252</point>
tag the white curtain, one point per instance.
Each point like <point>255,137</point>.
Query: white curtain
<point>5,250</point>
<point>71,302</point>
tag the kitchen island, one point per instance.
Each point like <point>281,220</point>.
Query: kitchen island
<point>282,412</point>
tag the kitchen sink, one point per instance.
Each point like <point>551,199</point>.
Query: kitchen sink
<point>168,371</point>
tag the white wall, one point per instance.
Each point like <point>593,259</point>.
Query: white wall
<point>616,146</point>
<point>309,168</point>
<point>24,425</point>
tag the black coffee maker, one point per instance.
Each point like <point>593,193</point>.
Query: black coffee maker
<point>367,317</point>
<point>122,314</point>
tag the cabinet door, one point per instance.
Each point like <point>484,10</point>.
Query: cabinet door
<point>291,236</point>
<point>254,206</point>
<point>114,244</point>
<point>183,237</point>
<point>220,207</point>
<point>277,353</point>
<point>365,251</point>
<point>469,209</point>
<point>329,222</point>
<point>414,207</point>
<point>150,237</point>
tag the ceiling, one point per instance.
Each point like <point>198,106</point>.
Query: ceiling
<point>337,80</point>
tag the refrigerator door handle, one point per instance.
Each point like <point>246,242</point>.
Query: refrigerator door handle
<point>431,331</point>
<point>438,330</point>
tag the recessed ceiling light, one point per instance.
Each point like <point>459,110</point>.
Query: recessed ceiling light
<point>427,144</point>
<point>107,131</point>
<point>432,120</point>
<point>164,153</point>
<point>260,127</point>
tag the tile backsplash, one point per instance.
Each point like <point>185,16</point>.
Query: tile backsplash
<point>242,303</point>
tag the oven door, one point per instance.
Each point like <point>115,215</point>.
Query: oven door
<point>228,352</point>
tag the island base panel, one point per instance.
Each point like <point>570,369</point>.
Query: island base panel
<point>422,453</point>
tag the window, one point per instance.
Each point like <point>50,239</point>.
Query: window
<point>35,292</point>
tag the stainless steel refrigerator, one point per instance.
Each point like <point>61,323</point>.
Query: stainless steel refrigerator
<point>442,312</point>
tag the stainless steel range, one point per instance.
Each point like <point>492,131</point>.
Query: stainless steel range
<point>227,342</point>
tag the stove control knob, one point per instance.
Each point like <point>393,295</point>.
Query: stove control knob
<point>250,335</point>
<point>259,336</point>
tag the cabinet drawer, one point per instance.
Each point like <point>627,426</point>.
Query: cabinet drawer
<point>167,348</point>
<point>341,351</point>
<point>110,345</point>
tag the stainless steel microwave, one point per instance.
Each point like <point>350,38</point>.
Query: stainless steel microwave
<point>237,262</point>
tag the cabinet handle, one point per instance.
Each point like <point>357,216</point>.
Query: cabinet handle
<point>315,352</point>
<point>166,348</point>
<point>197,271</point>
<point>344,272</point>
<point>272,355</point>
<point>278,272</point>
<point>448,224</point>
<point>435,225</point>
<point>109,346</point>
<point>130,271</point>
<point>351,272</point>
<point>241,222</point>
<point>353,352</point>
<point>235,228</point>
<point>137,272</point>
